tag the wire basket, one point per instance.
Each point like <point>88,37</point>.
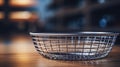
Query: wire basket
<point>74,46</point>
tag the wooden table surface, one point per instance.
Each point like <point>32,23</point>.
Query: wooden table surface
<point>26,56</point>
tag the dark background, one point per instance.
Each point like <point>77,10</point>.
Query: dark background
<point>58,16</point>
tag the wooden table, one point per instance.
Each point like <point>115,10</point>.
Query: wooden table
<point>23,58</point>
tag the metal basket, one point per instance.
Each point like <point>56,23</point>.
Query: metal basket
<point>74,46</point>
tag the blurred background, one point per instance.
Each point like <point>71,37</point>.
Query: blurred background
<point>24,16</point>
<point>19,17</point>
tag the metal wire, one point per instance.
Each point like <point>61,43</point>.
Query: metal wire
<point>80,46</point>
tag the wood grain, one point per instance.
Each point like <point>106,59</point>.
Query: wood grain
<point>36,60</point>
<point>21,53</point>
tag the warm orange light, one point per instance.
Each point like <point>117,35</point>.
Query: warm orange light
<point>20,15</point>
<point>21,44</point>
<point>1,2</point>
<point>22,3</point>
<point>1,15</point>
<point>23,16</point>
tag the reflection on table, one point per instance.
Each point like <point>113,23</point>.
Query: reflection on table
<point>20,52</point>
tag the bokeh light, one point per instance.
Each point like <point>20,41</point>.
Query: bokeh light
<point>1,2</point>
<point>22,3</point>
<point>20,15</point>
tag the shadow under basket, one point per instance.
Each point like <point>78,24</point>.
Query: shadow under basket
<point>74,46</point>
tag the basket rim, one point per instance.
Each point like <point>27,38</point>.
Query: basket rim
<point>78,33</point>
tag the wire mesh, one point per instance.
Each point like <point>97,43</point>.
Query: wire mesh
<point>80,46</point>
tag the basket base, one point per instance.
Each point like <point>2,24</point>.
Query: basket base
<point>73,56</point>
